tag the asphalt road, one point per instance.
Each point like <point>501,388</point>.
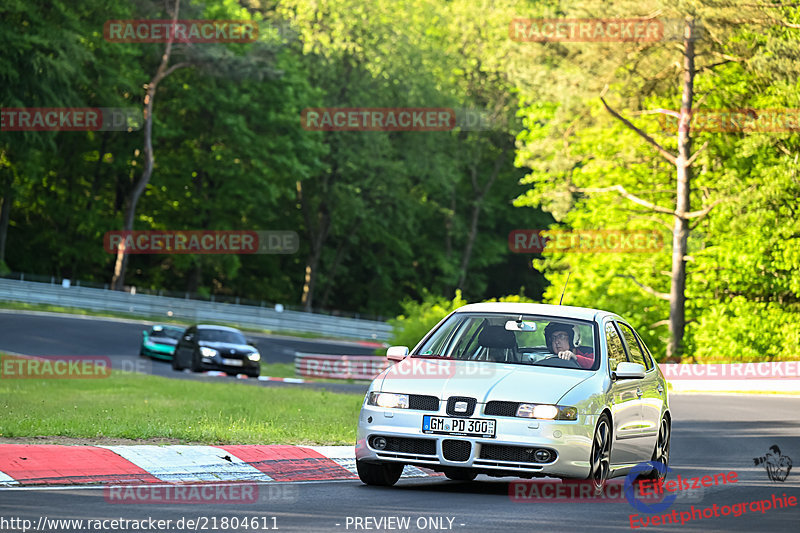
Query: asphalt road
<point>712,434</point>
<point>67,335</point>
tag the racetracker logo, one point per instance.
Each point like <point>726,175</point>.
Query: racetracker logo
<point>202,242</point>
<point>732,371</point>
<point>182,31</point>
<point>565,491</point>
<point>236,494</point>
<point>378,119</point>
<point>440,368</point>
<point>54,367</point>
<point>735,121</point>
<point>70,119</point>
<point>587,30</point>
<point>537,241</point>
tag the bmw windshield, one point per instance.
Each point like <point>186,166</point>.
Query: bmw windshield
<point>516,339</point>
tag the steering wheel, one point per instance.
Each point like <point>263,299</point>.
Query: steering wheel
<point>573,361</point>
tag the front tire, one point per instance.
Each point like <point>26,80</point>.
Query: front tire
<point>379,474</point>
<point>600,458</point>
<point>195,363</point>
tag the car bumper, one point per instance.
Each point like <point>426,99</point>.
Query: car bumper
<point>505,454</point>
<point>160,353</point>
<point>248,366</point>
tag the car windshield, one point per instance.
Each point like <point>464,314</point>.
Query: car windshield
<point>517,339</point>
<point>163,331</point>
<point>221,335</point>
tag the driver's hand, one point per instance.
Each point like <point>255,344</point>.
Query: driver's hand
<point>567,355</point>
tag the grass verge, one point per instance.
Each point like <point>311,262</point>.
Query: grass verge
<point>135,406</point>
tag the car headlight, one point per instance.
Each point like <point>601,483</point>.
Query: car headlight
<point>208,352</point>
<point>255,356</point>
<point>388,399</point>
<point>547,411</point>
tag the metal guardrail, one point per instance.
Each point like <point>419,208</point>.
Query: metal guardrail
<point>192,310</point>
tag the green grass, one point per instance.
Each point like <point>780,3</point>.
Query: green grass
<point>133,406</point>
<point>278,370</point>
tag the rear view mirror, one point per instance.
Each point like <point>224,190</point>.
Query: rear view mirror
<point>397,353</point>
<point>629,371</point>
<point>520,325</point>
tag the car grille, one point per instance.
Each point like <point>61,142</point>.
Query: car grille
<point>501,408</point>
<point>456,450</point>
<point>451,405</point>
<point>406,445</point>
<point>514,454</point>
<point>423,403</point>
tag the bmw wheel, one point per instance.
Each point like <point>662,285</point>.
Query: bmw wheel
<point>379,474</point>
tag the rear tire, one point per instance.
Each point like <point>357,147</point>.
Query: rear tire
<point>379,474</point>
<point>460,474</point>
<point>661,452</point>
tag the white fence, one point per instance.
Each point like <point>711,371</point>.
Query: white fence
<point>192,310</point>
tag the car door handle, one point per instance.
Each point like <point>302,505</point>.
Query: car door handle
<point>639,392</point>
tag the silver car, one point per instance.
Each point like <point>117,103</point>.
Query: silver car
<point>524,390</point>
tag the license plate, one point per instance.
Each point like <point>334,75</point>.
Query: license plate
<point>232,362</point>
<point>472,427</point>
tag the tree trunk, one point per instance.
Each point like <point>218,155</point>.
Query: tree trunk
<point>121,263</point>
<point>477,205</point>
<point>317,231</point>
<point>5,216</point>
<point>680,231</point>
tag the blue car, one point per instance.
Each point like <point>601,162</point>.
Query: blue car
<point>160,341</point>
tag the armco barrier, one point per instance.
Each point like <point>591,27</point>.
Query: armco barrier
<point>339,366</point>
<point>147,305</point>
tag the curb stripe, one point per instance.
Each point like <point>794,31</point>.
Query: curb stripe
<point>5,479</point>
<point>54,464</point>
<point>290,463</point>
<point>189,463</point>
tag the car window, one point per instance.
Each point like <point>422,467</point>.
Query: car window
<point>468,339</point>
<point>633,345</point>
<point>648,357</point>
<point>221,335</point>
<point>616,351</point>
<point>512,338</point>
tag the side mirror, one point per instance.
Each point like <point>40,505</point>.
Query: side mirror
<point>252,343</point>
<point>397,353</point>
<point>628,371</point>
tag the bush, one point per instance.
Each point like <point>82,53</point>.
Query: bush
<point>419,317</point>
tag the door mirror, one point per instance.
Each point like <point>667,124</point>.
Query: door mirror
<point>252,342</point>
<point>397,353</point>
<point>628,371</point>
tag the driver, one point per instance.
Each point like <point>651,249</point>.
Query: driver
<point>560,341</point>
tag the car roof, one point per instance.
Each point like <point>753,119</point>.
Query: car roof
<point>212,326</point>
<point>560,311</point>
<point>169,326</point>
